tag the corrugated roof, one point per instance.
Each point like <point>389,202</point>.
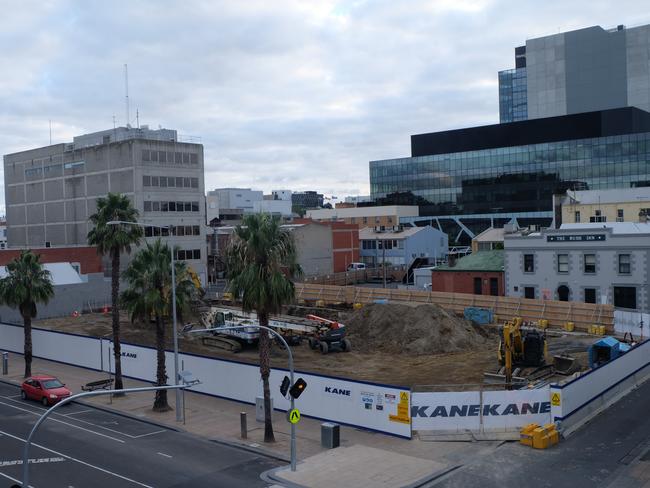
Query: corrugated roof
<point>491,235</point>
<point>617,227</point>
<point>62,273</point>
<point>618,195</point>
<point>479,261</point>
<point>369,233</point>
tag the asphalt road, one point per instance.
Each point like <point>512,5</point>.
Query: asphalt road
<point>85,447</point>
<point>610,451</point>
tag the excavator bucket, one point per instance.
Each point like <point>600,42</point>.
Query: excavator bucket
<point>565,364</point>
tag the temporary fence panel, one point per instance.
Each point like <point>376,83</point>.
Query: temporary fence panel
<point>383,408</point>
<point>635,323</point>
<point>479,410</point>
<point>575,402</point>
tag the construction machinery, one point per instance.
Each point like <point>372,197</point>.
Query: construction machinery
<point>520,350</point>
<point>329,336</point>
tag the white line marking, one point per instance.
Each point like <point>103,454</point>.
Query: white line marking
<point>85,421</point>
<point>19,462</point>
<point>65,423</point>
<point>163,454</point>
<point>147,434</point>
<point>13,396</point>
<point>13,479</point>
<point>76,460</point>
<point>76,413</point>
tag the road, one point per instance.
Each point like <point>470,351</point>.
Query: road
<point>82,446</point>
<point>611,451</point>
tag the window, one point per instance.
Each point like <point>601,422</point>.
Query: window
<point>196,230</point>
<point>590,295</point>
<point>365,220</point>
<point>179,182</point>
<point>195,206</point>
<point>529,263</point>
<point>197,254</point>
<point>625,296</point>
<point>162,157</point>
<point>186,182</point>
<point>148,231</point>
<point>147,206</point>
<point>154,156</point>
<point>562,263</point>
<point>624,263</point>
<point>164,232</point>
<point>186,158</point>
<point>529,292</point>
<point>163,181</point>
<point>180,254</point>
<point>164,206</point>
<point>156,231</point>
<point>146,155</point>
<point>180,206</point>
<point>195,182</point>
<point>478,286</point>
<point>194,158</point>
<point>146,181</point>
<point>619,215</point>
<point>172,206</point>
<point>155,206</point>
<point>171,181</point>
<point>155,181</point>
<point>590,263</point>
<point>74,164</point>
<point>178,158</point>
<point>576,216</point>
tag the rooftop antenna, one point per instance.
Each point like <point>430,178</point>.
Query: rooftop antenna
<point>137,118</point>
<point>50,132</point>
<point>126,91</point>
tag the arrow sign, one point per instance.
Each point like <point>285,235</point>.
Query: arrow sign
<point>293,416</point>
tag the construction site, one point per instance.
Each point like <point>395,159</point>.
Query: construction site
<point>383,339</point>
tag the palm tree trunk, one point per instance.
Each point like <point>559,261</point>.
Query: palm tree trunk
<point>160,403</point>
<point>27,328</point>
<point>265,371</point>
<point>115,312</point>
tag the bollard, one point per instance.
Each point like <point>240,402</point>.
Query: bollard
<point>5,363</point>
<point>242,422</point>
<point>330,436</point>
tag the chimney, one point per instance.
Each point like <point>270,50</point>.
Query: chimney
<point>643,217</point>
<point>451,260</point>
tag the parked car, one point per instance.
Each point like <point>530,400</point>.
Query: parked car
<point>44,388</point>
<point>356,266</point>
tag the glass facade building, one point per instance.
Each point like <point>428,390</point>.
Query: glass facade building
<point>513,95</point>
<point>512,170</point>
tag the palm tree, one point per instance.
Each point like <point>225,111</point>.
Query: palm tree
<point>261,259</point>
<point>149,295</point>
<point>112,240</point>
<point>26,284</point>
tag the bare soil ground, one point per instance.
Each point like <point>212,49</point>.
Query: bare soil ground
<point>405,369</point>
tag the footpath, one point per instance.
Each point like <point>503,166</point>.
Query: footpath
<point>364,459</point>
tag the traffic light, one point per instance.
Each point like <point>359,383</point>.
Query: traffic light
<point>284,387</point>
<point>297,388</point>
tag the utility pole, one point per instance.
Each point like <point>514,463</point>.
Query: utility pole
<point>383,261</point>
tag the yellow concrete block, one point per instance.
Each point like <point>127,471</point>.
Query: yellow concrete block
<point>602,330</point>
<point>358,306</point>
<point>320,303</point>
<point>569,326</point>
<point>526,434</point>
<point>543,324</point>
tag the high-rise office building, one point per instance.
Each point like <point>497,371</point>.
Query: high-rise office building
<point>584,70</point>
<point>577,111</point>
<point>51,191</point>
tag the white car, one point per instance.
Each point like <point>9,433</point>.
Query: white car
<point>356,266</point>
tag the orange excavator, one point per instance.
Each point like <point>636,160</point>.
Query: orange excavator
<point>329,336</point>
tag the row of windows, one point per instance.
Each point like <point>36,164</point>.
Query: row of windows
<point>589,263</point>
<point>382,244</point>
<point>182,254</point>
<point>176,230</point>
<point>170,181</point>
<point>624,296</point>
<point>599,217</point>
<point>155,206</point>
<point>52,168</point>
<point>170,157</point>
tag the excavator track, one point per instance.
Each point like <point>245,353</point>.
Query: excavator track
<point>221,342</point>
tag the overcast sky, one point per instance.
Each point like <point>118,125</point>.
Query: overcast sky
<point>283,94</point>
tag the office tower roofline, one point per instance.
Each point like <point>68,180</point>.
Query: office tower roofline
<point>602,123</point>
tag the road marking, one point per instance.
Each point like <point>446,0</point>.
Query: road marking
<point>77,413</point>
<point>13,479</point>
<point>65,423</point>
<point>85,421</point>
<point>17,462</point>
<point>147,434</point>
<point>77,461</point>
<point>163,454</point>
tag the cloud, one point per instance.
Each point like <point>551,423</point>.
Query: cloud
<point>283,94</point>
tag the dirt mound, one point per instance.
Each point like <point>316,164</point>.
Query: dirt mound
<point>413,330</point>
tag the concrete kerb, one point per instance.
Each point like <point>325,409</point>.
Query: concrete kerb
<point>244,447</point>
<point>271,476</point>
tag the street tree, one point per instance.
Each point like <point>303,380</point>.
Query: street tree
<point>112,241</point>
<point>27,283</point>
<point>149,296</point>
<point>261,261</point>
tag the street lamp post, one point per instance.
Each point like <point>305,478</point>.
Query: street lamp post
<point>286,346</point>
<point>179,417</point>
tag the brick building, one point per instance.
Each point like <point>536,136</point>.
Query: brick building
<point>480,273</point>
<point>345,242</point>
<point>84,258</point>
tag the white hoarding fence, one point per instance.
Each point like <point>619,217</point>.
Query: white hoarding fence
<point>575,402</point>
<point>636,323</point>
<point>383,408</point>
<point>479,411</point>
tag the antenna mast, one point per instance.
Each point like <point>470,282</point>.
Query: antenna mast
<point>126,91</point>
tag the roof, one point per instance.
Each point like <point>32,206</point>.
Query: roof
<point>491,235</point>
<point>478,261</point>
<point>369,233</point>
<point>62,273</point>
<point>360,212</point>
<point>616,195</point>
<point>616,227</point>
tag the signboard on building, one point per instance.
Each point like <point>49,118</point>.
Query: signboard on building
<point>576,238</point>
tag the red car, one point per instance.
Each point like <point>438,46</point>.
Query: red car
<point>44,388</point>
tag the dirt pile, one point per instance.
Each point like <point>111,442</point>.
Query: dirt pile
<point>413,330</point>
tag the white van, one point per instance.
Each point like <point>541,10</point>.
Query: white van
<point>356,266</point>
